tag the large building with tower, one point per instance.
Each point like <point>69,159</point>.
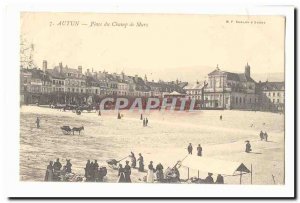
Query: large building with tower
<point>227,90</point>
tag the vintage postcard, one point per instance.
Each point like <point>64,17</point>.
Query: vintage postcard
<point>156,99</point>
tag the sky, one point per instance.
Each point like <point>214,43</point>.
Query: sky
<point>162,46</point>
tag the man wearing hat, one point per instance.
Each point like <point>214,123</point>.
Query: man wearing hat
<point>209,179</point>
<point>127,172</point>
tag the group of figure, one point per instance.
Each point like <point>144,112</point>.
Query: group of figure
<point>263,136</point>
<point>93,173</point>
<point>140,160</point>
<point>145,121</point>
<point>210,180</point>
<point>199,149</point>
<point>54,170</point>
<point>152,172</point>
<point>124,173</point>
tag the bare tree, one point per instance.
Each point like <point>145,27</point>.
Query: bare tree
<point>26,54</point>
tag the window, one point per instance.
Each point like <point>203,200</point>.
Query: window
<point>240,99</point>
<point>250,100</point>
<point>273,100</point>
<point>269,93</point>
<point>277,100</point>
<point>273,94</point>
<point>278,94</point>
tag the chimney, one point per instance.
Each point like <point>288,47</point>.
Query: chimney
<point>136,77</point>
<point>247,70</point>
<point>80,69</point>
<point>44,66</point>
<point>60,67</point>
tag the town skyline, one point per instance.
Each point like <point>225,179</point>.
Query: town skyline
<point>170,45</point>
<point>273,76</point>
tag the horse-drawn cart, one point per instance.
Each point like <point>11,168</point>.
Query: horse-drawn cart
<point>66,130</point>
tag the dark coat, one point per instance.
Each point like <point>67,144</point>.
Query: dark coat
<point>199,150</point>
<point>220,180</point>
<point>57,166</point>
<point>49,173</point>
<point>127,172</point>
<point>121,175</point>
<point>209,180</point>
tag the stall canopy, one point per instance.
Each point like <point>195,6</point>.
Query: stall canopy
<point>214,166</point>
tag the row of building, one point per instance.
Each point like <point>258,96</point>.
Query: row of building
<point>222,90</point>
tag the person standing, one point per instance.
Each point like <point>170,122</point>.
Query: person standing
<point>221,117</point>
<point>159,172</point>
<point>133,160</point>
<point>146,121</point>
<point>199,150</point>
<point>92,172</point>
<point>57,165</point>
<point>37,122</point>
<point>96,165</point>
<point>87,169</point>
<point>266,136</point>
<point>150,174</point>
<point>99,113</point>
<point>261,135</point>
<point>141,163</point>
<point>209,179</point>
<point>121,174</point>
<point>49,172</point>
<point>220,179</point>
<point>69,166</point>
<point>248,147</point>
<point>190,149</point>
<point>127,172</point>
<point>141,116</point>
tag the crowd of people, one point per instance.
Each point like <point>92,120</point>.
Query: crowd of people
<point>55,171</point>
<point>94,173</point>
<point>153,173</point>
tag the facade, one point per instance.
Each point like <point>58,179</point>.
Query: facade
<point>223,90</point>
<point>272,96</point>
<point>226,90</point>
<point>195,91</point>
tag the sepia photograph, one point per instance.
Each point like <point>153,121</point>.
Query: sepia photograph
<point>152,101</point>
<point>191,99</point>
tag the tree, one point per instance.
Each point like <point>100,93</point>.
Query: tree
<point>26,54</point>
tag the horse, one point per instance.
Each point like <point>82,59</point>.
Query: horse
<point>77,129</point>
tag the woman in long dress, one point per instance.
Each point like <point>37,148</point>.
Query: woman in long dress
<point>150,175</point>
<point>121,174</point>
<point>133,160</point>
<point>49,172</point>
